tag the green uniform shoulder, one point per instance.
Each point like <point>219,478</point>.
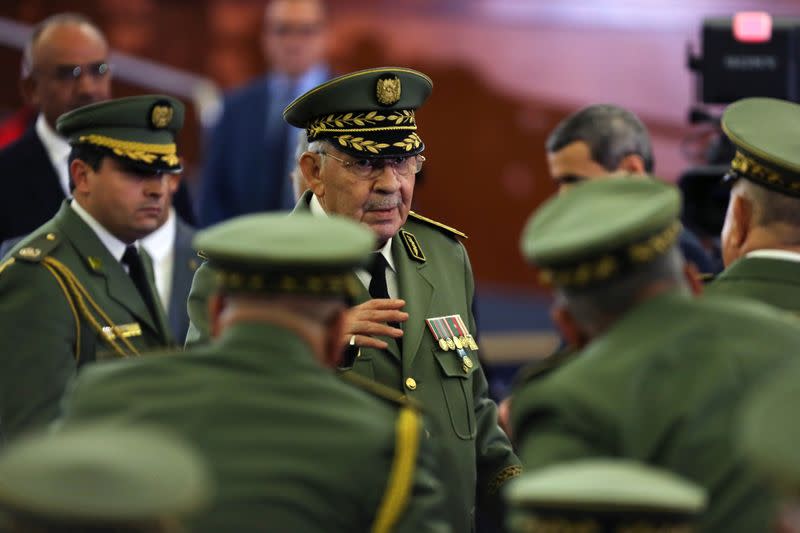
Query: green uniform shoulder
<point>543,367</point>
<point>35,248</point>
<point>447,230</point>
<point>377,390</point>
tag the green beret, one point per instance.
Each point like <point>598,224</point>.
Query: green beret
<point>369,113</point>
<point>102,473</point>
<point>769,433</point>
<point>139,130</point>
<point>298,254</point>
<point>602,496</point>
<point>602,229</point>
<point>766,133</point>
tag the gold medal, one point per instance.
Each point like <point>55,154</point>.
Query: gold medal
<point>464,342</point>
<point>451,344</point>
<point>467,362</point>
<point>472,344</point>
<point>443,344</point>
<point>458,344</point>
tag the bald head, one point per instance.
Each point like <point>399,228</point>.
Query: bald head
<point>65,66</point>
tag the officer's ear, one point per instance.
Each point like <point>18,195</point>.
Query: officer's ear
<point>570,328</point>
<point>79,174</point>
<point>632,164</point>
<point>693,278</point>
<point>311,166</point>
<point>216,305</point>
<point>334,346</point>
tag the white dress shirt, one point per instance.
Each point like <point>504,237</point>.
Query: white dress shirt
<point>160,245</point>
<point>363,275</point>
<point>57,149</point>
<point>784,255</point>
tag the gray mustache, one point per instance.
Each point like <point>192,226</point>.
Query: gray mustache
<point>383,203</point>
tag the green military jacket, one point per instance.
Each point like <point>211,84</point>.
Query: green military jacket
<point>291,446</point>
<point>64,301</point>
<point>435,279</point>
<point>663,386</point>
<point>772,281</point>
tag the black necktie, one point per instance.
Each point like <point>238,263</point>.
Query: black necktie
<point>137,273</point>
<point>378,288</point>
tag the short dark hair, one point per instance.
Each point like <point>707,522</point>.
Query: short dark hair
<point>89,154</point>
<point>611,132</point>
<point>59,19</point>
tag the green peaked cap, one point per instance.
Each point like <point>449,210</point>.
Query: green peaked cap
<point>766,133</point>
<point>369,113</point>
<point>602,495</point>
<point>140,130</point>
<point>301,253</point>
<point>602,229</point>
<point>102,473</point>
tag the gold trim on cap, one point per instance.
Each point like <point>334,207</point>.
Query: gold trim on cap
<point>134,150</point>
<point>752,169</point>
<point>369,121</point>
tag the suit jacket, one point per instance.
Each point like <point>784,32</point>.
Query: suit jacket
<point>242,172</point>
<point>49,324</point>
<point>184,265</point>
<point>437,282</point>
<point>291,447</point>
<point>772,281</point>
<point>663,386</point>
<point>31,191</point>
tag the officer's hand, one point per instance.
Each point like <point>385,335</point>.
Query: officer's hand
<point>504,415</point>
<point>368,320</point>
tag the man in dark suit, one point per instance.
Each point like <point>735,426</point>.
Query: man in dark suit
<point>250,150</point>
<point>761,234</point>
<point>65,66</point>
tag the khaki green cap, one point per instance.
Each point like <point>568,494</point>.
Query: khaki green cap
<point>603,495</point>
<point>369,113</point>
<point>102,473</point>
<point>770,433</point>
<point>601,230</point>
<point>298,254</point>
<point>139,130</point>
<point>766,133</point>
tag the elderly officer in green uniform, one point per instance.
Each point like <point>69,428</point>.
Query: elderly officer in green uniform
<point>769,439</point>
<point>79,288</point>
<point>659,374</point>
<point>761,234</point>
<point>100,478</point>
<point>413,328</point>
<point>602,496</point>
<point>292,446</point>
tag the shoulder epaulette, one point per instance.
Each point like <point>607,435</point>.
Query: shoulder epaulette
<point>541,368</point>
<point>379,391</point>
<point>438,225</point>
<point>38,247</point>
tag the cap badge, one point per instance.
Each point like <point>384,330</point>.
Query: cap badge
<point>161,116</point>
<point>388,90</point>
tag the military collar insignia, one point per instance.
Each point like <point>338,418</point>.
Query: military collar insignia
<point>412,246</point>
<point>388,89</point>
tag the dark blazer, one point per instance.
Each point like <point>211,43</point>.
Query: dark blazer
<point>31,191</point>
<point>61,295</point>
<point>183,268</point>
<point>243,173</point>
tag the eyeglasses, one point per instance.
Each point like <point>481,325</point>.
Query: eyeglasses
<point>370,169</point>
<point>74,72</point>
<point>301,30</point>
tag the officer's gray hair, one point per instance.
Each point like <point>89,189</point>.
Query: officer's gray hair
<point>611,132</point>
<point>772,208</point>
<point>596,307</point>
<point>59,19</point>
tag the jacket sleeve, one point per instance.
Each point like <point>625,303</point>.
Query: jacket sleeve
<point>37,347</point>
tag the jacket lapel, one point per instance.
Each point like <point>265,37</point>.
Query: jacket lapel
<point>160,320</point>
<point>416,288</point>
<point>100,262</point>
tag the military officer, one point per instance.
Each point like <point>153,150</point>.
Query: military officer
<point>100,478</point>
<point>769,436</point>
<point>659,374</point>
<point>413,329</point>
<point>291,445</point>
<point>761,234</point>
<point>603,496</point>
<point>79,288</point>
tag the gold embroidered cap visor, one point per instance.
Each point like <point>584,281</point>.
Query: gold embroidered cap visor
<point>766,133</point>
<point>369,113</point>
<point>139,130</point>
<point>602,230</point>
<point>301,254</point>
<point>603,495</point>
